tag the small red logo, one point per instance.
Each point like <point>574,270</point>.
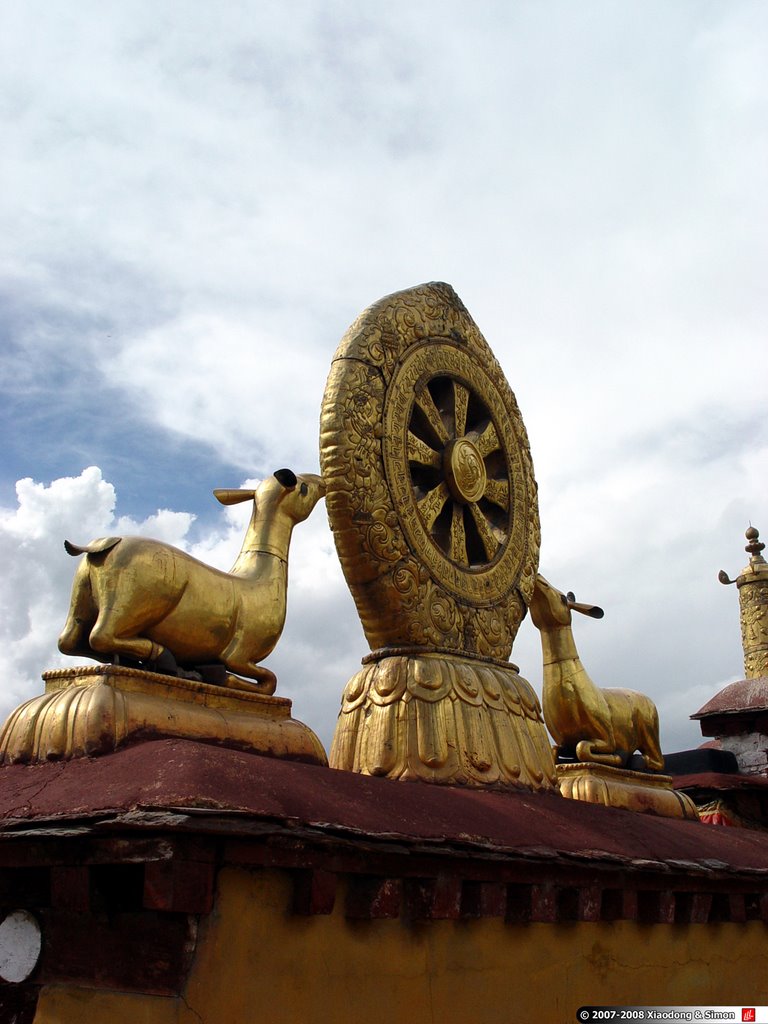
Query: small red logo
<point>748,1013</point>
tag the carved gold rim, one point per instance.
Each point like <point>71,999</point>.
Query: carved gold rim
<point>450,457</point>
<point>401,491</point>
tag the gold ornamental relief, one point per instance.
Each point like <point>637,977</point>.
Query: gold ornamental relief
<point>465,473</point>
<point>444,720</point>
<point>453,466</point>
<point>754,628</point>
<point>430,488</point>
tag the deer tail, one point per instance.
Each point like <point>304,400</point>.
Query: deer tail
<point>96,547</point>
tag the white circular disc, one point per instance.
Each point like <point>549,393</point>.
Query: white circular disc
<point>20,944</point>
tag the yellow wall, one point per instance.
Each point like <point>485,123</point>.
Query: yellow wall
<point>67,1005</point>
<point>257,962</point>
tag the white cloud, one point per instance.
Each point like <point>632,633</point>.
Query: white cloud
<point>35,587</point>
<point>669,630</point>
<point>236,382</point>
<point>37,572</point>
<point>196,204</point>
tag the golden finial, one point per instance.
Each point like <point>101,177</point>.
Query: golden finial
<point>752,584</point>
<point>755,545</point>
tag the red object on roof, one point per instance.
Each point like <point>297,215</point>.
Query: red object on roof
<point>721,780</point>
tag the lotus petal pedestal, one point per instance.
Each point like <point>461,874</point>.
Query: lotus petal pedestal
<point>618,787</point>
<point>93,710</point>
<point>444,719</point>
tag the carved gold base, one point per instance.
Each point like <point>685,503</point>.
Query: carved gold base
<point>618,787</point>
<point>444,719</point>
<point>93,710</point>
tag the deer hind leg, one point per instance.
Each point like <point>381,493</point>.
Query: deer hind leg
<point>654,762</point>
<point>81,617</point>
<point>649,746</point>
<point>72,639</point>
<point>119,629</point>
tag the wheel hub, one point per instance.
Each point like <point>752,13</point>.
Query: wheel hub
<point>464,471</point>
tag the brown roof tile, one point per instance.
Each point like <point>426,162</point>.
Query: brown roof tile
<point>744,695</point>
<point>209,781</point>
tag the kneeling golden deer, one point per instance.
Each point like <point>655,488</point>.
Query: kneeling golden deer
<point>146,601</point>
<point>602,725</point>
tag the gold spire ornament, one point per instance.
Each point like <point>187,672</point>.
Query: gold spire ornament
<point>752,584</point>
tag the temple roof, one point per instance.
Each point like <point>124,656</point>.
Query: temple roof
<point>746,695</point>
<point>722,781</point>
<point>192,787</point>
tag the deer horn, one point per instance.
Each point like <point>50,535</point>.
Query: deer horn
<point>233,496</point>
<point>586,609</point>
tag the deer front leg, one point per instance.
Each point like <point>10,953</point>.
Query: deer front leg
<point>599,752</point>
<point>261,679</point>
<point>138,648</point>
<point>106,645</point>
<point>242,658</point>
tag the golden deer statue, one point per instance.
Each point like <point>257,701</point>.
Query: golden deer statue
<point>147,602</point>
<point>602,726</point>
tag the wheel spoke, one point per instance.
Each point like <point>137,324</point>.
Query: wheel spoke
<point>431,505</point>
<point>458,537</point>
<point>420,452</point>
<point>460,406</point>
<point>488,441</point>
<point>466,540</point>
<point>426,403</point>
<point>497,491</point>
<point>486,536</point>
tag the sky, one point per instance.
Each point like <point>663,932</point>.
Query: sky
<point>197,200</point>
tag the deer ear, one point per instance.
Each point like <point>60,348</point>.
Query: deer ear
<point>587,609</point>
<point>233,496</point>
<point>286,477</point>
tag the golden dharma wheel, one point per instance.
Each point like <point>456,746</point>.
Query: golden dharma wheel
<point>430,488</point>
